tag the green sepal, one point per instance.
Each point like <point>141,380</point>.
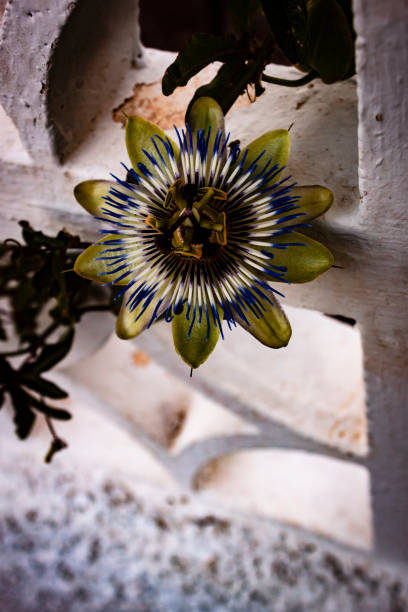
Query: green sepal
<point>269,325</point>
<point>205,112</point>
<point>130,324</point>
<point>87,266</point>
<point>90,194</point>
<point>194,348</point>
<point>314,200</point>
<point>274,144</point>
<point>139,134</point>
<point>302,263</point>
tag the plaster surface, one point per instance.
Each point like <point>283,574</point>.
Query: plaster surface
<point>61,67</point>
<point>89,532</point>
<point>365,229</point>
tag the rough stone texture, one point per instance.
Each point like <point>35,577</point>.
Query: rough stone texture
<point>207,447</point>
<point>61,67</point>
<point>368,244</point>
<point>80,535</point>
<point>382,54</point>
<point>251,401</point>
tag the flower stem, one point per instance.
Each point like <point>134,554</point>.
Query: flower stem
<point>288,83</point>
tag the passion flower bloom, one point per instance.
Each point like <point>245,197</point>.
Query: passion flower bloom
<point>199,230</point>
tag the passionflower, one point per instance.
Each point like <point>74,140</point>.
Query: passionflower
<point>198,231</point>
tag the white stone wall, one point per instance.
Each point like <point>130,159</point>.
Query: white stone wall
<point>242,440</point>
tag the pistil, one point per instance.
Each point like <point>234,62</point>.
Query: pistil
<point>195,221</point>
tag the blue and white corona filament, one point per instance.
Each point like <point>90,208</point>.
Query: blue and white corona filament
<point>198,231</point>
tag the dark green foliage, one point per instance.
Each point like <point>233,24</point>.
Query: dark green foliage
<point>24,417</point>
<point>51,354</point>
<point>37,284</point>
<point>42,386</point>
<point>226,86</point>
<point>201,50</point>
<point>315,35</point>
<point>3,335</point>
<point>288,22</point>
<point>230,81</point>
<point>330,47</point>
<point>242,14</point>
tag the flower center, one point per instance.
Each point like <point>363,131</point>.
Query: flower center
<point>194,226</point>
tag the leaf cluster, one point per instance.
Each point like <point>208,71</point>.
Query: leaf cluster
<point>314,35</point>
<point>41,300</point>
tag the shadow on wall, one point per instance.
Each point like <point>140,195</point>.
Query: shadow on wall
<point>86,68</point>
<point>169,25</point>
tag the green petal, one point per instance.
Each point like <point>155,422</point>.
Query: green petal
<point>272,329</point>
<point>274,144</point>
<point>194,350</point>
<point>139,134</point>
<point>204,113</point>
<point>97,269</point>
<point>314,201</point>
<point>90,193</point>
<point>130,324</point>
<point>303,263</point>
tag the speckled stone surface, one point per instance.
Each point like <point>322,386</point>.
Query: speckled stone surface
<point>76,537</point>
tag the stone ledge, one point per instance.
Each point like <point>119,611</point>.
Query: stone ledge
<point>76,537</point>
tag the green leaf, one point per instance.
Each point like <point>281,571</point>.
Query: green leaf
<point>296,11</point>
<point>242,13</point>
<point>193,341</point>
<point>6,371</point>
<point>25,308</point>
<point>35,238</point>
<point>29,261</point>
<point>268,323</point>
<point>24,417</point>
<point>50,411</point>
<point>3,335</point>
<point>330,48</point>
<point>200,50</point>
<point>52,354</point>
<point>43,386</point>
<point>287,20</point>
<point>140,135</point>
<point>41,279</point>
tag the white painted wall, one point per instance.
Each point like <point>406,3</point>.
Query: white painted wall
<point>259,392</point>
